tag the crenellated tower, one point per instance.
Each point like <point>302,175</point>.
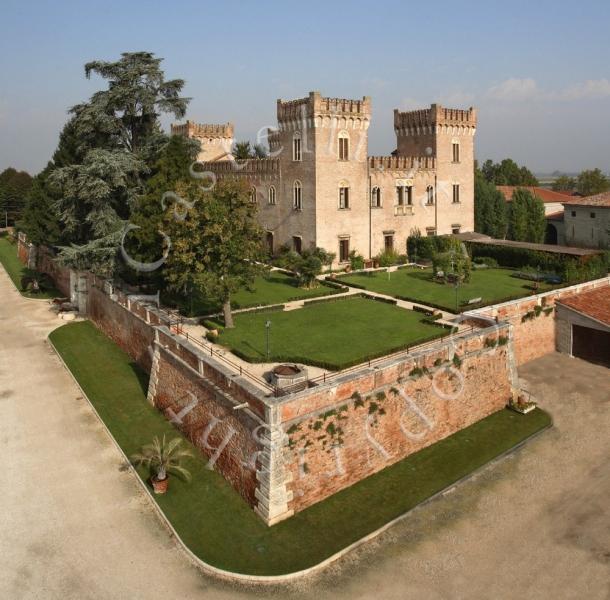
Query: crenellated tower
<point>216,140</point>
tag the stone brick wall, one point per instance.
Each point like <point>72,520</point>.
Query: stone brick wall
<point>126,329</point>
<point>343,433</point>
<point>205,415</point>
<point>46,264</point>
<point>534,331</point>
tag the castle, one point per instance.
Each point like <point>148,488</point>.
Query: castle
<point>319,187</point>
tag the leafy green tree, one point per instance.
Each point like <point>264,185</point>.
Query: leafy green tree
<point>592,182</point>
<point>490,210</point>
<point>508,172</point>
<point>527,221</point>
<point>564,183</point>
<point>115,138</point>
<point>172,167</point>
<point>14,187</point>
<point>217,243</point>
<point>244,150</point>
<point>40,220</point>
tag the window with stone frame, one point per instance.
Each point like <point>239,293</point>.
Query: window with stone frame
<point>343,196</point>
<point>297,243</point>
<point>296,147</point>
<point>456,193</point>
<point>271,196</point>
<point>455,229</point>
<point>344,250</point>
<point>297,196</point>
<point>456,152</point>
<point>430,195</point>
<point>430,231</point>
<point>253,195</point>
<point>343,146</point>
<point>376,197</point>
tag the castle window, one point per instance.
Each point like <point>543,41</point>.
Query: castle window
<point>404,195</point>
<point>376,197</point>
<point>296,146</point>
<point>573,213</point>
<point>592,215</point>
<point>430,195</point>
<point>430,231</point>
<point>271,195</point>
<point>297,243</point>
<point>344,250</point>
<point>456,193</point>
<point>343,146</point>
<point>388,242</point>
<point>253,195</point>
<point>455,229</point>
<point>456,152</point>
<point>343,195</point>
<point>297,198</point>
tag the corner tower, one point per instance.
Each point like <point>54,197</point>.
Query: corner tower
<point>216,140</point>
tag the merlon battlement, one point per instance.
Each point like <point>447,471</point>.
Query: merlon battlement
<point>315,104</point>
<point>435,115</point>
<point>401,163</point>
<point>249,166</point>
<point>203,130</point>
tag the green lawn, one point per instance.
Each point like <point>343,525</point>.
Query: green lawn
<point>15,269</point>
<point>274,288</point>
<point>213,520</point>
<point>492,285</point>
<point>333,335</point>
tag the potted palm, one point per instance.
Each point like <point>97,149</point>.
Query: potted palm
<point>163,458</point>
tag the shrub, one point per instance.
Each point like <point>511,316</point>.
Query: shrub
<point>356,261</point>
<point>502,340</point>
<point>485,260</point>
<point>387,258</point>
<point>457,361</point>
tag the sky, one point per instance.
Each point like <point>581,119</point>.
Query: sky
<point>538,72</point>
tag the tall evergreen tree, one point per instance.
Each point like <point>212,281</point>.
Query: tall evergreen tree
<point>527,221</point>
<point>116,137</point>
<point>490,211</point>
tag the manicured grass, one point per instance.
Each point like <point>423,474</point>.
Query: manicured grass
<point>15,269</point>
<point>333,335</point>
<point>274,288</point>
<point>492,285</point>
<point>216,523</point>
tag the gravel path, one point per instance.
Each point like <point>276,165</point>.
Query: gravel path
<point>76,525</point>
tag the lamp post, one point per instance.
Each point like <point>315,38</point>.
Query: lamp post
<point>267,329</point>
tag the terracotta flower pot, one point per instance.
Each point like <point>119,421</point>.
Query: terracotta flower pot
<point>159,485</point>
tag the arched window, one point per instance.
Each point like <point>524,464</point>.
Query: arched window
<point>297,198</point>
<point>376,197</point>
<point>429,195</point>
<point>253,195</point>
<point>296,146</point>
<point>271,195</point>
<point>344,195</point>
<point>343,145</point>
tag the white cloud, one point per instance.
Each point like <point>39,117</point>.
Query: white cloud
<point>518,90</point>
<point>514,89</point>
<point>592,88</point>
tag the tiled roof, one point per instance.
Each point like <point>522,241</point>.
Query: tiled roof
<point>602,199</point>
<point>543,193</point>
<point>595,304</point>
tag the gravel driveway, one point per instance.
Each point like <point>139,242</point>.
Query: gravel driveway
<point>76,525</point>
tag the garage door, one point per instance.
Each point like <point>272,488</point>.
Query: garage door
<point>591,344</point>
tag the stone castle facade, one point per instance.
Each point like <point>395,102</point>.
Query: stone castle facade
<point>320,188</point>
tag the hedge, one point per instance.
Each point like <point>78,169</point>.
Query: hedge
<point>571,270</point>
